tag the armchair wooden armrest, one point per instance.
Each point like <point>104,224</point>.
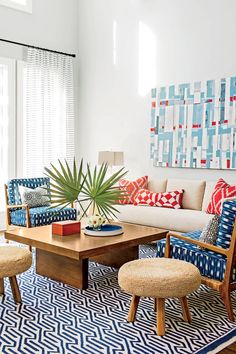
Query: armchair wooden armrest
<point>195,242</point>
<point>17,206</point>
<point>25,206</point>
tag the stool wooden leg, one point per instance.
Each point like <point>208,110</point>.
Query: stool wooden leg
<point>155,304</point>
<point>186,314</point>
<point>160,316</point>
<point>15,289</point>
<point>133,308</point>
<point>1,286</point>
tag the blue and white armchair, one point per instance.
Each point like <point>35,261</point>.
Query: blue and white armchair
<point>217,263</point>
<point>22,215</point>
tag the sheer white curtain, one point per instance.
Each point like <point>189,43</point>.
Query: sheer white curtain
<point>48,122</point>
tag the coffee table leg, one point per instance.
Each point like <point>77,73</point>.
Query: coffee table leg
<point>117,258</point>
<point>64,269</point>
<point>1,286</point>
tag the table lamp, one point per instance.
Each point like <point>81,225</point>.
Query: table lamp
<point>112,158</point>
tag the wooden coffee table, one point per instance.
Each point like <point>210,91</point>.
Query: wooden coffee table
<point>65,258</point>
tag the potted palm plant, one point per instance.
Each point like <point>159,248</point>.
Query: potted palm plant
<point>92,190</point>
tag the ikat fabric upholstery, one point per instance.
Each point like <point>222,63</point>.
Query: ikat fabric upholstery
<point>39,215</point>
<point>226,225</point>
<point>35,197</point>
<point>210,264</point>
<point>132,188</point>
<point>210,232</point>
<point>13,187</point>
<point>42,216</point>
<point>171,200</point>
<point>222,190</point>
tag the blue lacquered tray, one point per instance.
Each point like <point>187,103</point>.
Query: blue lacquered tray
<point>106,230</point>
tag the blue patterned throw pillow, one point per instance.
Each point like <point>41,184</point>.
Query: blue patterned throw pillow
<point>210,231</point>
<point>34,197</point>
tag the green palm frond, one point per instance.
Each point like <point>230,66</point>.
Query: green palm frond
<point>101,191</point>
<point>92,188</point>
<point>66,183</point>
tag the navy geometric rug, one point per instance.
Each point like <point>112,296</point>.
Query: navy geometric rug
<point>57,318</point>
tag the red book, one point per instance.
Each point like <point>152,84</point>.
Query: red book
<point>67,227</point>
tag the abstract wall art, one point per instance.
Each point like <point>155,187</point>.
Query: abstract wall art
<point>194,125</point>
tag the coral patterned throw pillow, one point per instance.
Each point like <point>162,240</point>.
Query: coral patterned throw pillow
<point>132,188</point>
<point>222,190</point>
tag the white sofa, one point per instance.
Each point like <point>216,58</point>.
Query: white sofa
<point>193,216</point>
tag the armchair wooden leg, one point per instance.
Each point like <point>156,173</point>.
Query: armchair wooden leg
<point>226,297</point>
<point>133,308</point>
<point>186,314</point>
<point>160,316</point>
<point>15,289</point>
<point>167,253</point>
<point>1,286</point>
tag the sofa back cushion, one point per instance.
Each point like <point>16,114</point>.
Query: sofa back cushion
<point>227,220</point>
<point>210,186</point>
<point>157,186</point>
<point>193,191</point>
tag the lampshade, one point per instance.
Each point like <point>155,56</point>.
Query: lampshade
<point>112,158</point>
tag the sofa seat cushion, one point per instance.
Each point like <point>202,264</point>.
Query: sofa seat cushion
<point>42,216</point>
<point>182,220</point>
<point>209,263</point>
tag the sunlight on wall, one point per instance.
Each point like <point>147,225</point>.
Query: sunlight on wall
<point>114,42</point>
<point>147,59</point>
<point>21,2</point>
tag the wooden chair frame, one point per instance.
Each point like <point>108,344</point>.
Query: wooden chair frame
<point>226,285</point>
<point>8,207</point>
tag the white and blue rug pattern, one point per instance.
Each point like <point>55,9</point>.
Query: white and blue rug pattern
<point>56,318</point>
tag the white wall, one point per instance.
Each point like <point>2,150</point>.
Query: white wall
<point>53,24</point>
<point>188,39</point>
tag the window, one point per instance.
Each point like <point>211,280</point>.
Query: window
<point>45,129</point>
<point>23,5</point>
<point>36,119</point>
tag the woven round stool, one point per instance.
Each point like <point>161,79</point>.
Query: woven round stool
<point>13,261</point>
<point>159,278</point>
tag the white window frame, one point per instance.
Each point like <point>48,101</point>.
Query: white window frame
<point>27,7</point>
<point>11,64</point>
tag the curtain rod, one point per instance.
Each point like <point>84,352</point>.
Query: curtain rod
<point>32,46</point>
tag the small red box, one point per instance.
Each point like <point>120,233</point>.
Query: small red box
<point>67,227</point>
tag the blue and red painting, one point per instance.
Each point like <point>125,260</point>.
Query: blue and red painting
<point>194,125</point>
